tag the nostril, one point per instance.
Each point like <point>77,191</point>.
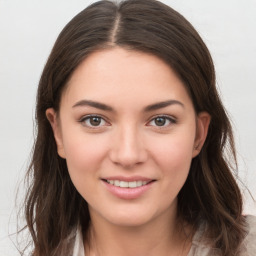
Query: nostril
<point>127,148</point>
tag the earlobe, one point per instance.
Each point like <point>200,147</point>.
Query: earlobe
<point>203,122</point>
<point>53,119</point>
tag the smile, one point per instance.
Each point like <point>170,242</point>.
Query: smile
<point>127,184</point>
<point>128,188</point>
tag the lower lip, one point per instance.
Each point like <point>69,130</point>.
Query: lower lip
<point>128,193</point>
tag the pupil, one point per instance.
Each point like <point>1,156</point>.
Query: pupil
<point>160,121</point>
<point>95,121</point>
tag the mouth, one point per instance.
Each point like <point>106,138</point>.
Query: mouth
<point>128,184</point>
<point>128,188</point>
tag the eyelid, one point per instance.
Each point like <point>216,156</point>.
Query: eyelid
<point>170,118</point>
<point>85,117</point>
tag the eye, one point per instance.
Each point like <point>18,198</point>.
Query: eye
<point>93,121</point>
<point>162,121</point>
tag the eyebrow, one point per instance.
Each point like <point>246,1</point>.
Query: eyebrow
<point>93,104</point>
<point>148,108</point>
<point>162,104</point>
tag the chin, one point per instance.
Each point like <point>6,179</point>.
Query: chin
<point>132,221</point>
<point>132,215</point>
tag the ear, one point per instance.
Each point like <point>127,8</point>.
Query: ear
<point>202,124</point>
<point>55,124</point>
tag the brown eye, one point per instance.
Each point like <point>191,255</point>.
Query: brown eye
<point>93,121</point>
<point>160,121</point>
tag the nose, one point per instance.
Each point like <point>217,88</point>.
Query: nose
<point>128,149</point>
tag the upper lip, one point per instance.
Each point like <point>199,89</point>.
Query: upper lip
<point>128,179</point>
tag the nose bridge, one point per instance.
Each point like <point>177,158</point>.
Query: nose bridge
<point>128,147</point>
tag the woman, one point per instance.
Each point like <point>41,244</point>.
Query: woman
<point>129,155</point>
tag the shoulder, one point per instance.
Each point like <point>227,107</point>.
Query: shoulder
<point>251,222</point>
<point>198,246</point>
<point>78,246</point>
<point>250,239</point>
<point>201,248</point>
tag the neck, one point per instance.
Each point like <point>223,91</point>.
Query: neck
<point>162,236</point>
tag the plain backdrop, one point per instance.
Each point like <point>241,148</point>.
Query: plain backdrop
<point>28,29</point>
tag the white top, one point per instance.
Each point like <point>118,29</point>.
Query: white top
<point>198,248</point>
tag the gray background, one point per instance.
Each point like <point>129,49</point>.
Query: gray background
<point>28,29</point>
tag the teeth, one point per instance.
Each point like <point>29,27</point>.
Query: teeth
<point>126,184</point>
<point>139,183</point>
<point>132,184</point>
<point>123,184</point>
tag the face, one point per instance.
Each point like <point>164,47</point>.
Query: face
<point>128,131</point>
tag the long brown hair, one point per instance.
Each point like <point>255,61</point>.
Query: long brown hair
<point>53,207</point>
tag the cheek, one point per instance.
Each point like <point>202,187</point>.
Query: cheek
<point>82,162</point>
<point>175,150</point>
<point>175,164</point>
<point>174,155</point>
<point>84,156</point>
<point>83,150</point>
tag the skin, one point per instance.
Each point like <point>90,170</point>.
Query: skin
<point>129,141</point>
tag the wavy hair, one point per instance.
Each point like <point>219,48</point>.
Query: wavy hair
<point>53,207</point>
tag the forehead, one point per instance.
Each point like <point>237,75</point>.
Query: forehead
<point>126,75</point>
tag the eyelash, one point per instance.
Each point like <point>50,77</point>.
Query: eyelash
<point>89,118</point>
<point>168,118</point>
